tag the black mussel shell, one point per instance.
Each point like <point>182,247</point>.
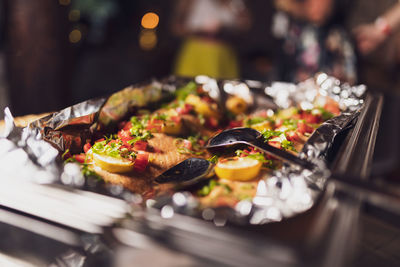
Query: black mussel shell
<point>232,136</point>
<point>187,172</point>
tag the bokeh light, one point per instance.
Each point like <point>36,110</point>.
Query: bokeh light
<point>74,15</point>
<point>150,20</point>
<point>147,39</point>
<point>75,36</point>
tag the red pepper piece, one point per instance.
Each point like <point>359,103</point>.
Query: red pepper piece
<point>141,161</point>
<point>140,145</point>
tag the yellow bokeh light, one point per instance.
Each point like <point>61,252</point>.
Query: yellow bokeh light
<point>147,39</point>
<point>75,36</point>
<point>150,20</point>
<point>74,15</point>
<point>64,2</point>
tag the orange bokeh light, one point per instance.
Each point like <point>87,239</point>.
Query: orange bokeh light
<point>150,20</point>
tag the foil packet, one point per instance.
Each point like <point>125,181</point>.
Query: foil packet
<point>289,191</point>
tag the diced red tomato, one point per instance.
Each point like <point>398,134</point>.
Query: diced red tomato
<point>212,122</point>
<point>187,144</point>
<point>186,109</point>
<point>125,135</point>
<point>310,118</point>
<point>80,158</point>
<point>140,145</point>
<point>245,153</point>
<point>275,144</point>
<point>234,124</point>
<point>122,124</point>
<point>156,121</point>
<point>303,128</point>
<point>155,125</point>
<point>176,119</point>
<point>254,150</point>
<point>292,136</point>
<point>86,147</point>
<point>127,125</point>
<point>251,150</point>
<point>141,161</point>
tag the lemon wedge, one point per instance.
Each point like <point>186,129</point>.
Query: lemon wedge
<point>201,106</point>
<point>111,164</point>
<point>172,128</point>
<point>236,105</point>
<point>265,125</point>
<point>238,169</point>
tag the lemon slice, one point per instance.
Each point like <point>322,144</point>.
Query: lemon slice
<point>111,164</point>
<point>238,169</point>
<point>265,125</point>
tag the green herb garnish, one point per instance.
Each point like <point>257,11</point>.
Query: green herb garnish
<point>162,117</point>
<point>88,172</point>
<point>65,153</point>
<point>268,134</point>
<point>188,89</point>
<point>258,156</point>
<point>213,159</point>
<point>291,124</point>
<point>288,145</point>
<point>254,120</point>
<point>138,130</point>
<point>196,148</point>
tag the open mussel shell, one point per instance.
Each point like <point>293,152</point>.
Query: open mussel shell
<point>232,137</point>
<point>188,172</point>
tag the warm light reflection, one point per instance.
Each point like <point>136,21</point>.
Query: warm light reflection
<point>64,2</point>
<point>150,20</point>
<point>147,39</point>
<point>75,36</point>
<point>74,15</point>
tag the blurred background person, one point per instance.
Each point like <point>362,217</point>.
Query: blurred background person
<point>313,39</point>
<point>207,28</point>
<point>375,26</point>
<point>371,35</point>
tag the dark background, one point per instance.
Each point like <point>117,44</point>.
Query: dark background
<point>50,72</point>
<point>42,70</point>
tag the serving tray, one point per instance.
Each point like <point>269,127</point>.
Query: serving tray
<point>319,234</point>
